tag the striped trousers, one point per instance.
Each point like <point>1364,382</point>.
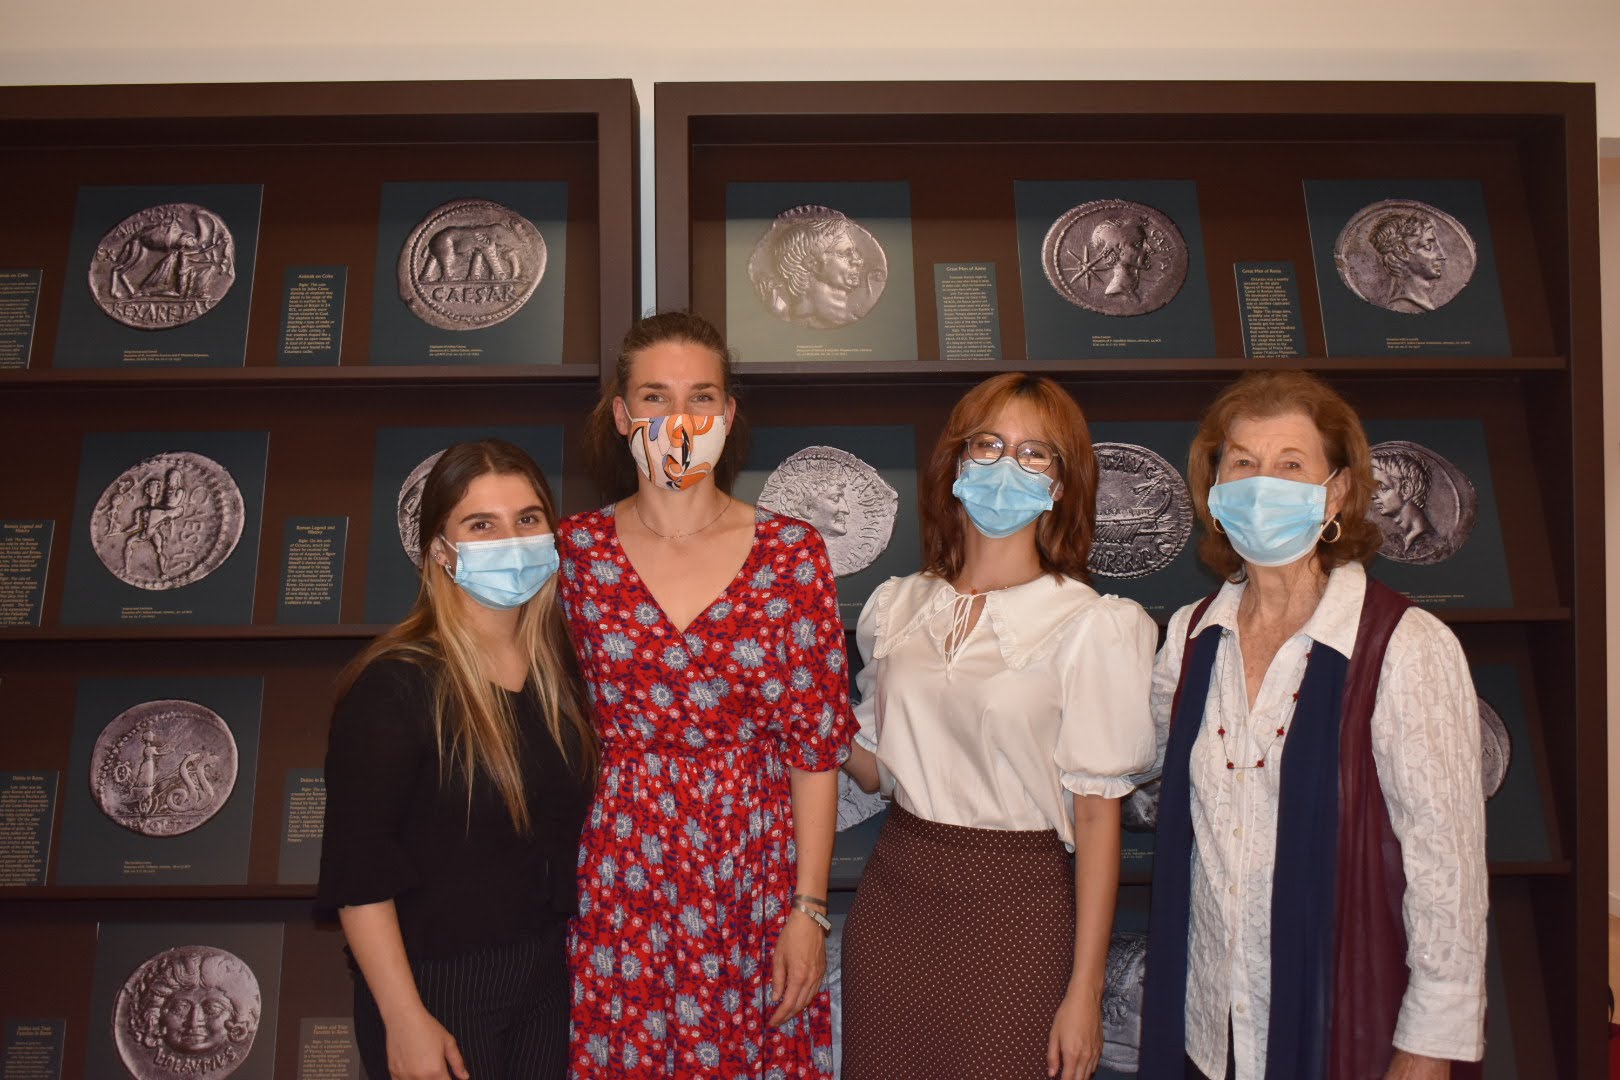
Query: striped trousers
<point>507,1008</point>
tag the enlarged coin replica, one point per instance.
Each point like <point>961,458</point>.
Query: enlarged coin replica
<point>848,502</point>
<point>168,521</point>
<point>1140,810</point>
<point>1405,256</point>
<point>1115,257</point>
<point>1423,504</point>
<point>190,1011</point>
<point>469,264</point>
<point>164,266</point>
<point>1144,512</point>
<point>408,508</point>
<point>815,267</point>
<point>1122,1001</point>
<point>1495,749</point>
<point>163,768</point>
<point>855,805</point>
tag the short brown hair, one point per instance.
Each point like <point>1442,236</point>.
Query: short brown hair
<point>1264,394</point>
<point>1063,537</point>
<point>608,458</point>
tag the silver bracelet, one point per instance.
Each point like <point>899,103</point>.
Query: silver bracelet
<point>820,919</point>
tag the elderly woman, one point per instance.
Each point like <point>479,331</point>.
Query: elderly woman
<point>1320,886</point>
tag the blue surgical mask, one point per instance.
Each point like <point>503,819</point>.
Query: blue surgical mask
<point>503,574</point>
<point>1002,497</point>
<point>1271,521</point>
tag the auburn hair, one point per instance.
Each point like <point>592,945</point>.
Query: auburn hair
<point>1261,395</point>
<point>608,458</point>
<point>473,721</point>
<point>1063,537</point>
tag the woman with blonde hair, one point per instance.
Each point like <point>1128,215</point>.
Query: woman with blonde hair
<point>458,771</point>
<point>1004,708</point>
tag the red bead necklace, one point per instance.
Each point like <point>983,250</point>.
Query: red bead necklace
<point>1282,730</point>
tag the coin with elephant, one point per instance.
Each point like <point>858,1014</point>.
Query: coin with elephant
<point>191,1011</point>
<point>162,768</point>
<point>163,266</point>
<point>167,521</point>
<point>470,263</point>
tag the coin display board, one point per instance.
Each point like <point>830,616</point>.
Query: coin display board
<point>302,178</point>
<point>986,210</point>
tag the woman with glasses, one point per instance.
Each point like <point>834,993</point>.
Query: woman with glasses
<point>1004,708</point>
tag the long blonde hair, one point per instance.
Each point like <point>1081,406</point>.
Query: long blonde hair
<point>473,722</point>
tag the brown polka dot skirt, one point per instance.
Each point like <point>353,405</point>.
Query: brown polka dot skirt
<point>956,953</point>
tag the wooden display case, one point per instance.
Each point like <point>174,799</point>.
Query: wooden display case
<point>1249,147</point>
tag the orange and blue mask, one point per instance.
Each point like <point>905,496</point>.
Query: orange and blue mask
<point>677,450</point>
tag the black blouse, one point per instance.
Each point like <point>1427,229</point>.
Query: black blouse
<point>460,879</point>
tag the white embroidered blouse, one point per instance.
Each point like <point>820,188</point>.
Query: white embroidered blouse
<point>1046,696</point>
<point>1425,732</point>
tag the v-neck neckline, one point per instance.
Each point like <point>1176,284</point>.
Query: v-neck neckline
<point>646,589</point>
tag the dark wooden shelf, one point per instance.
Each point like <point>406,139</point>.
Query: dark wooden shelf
<point>791,372</point>
<point>184,632</point>
<point>346,375</point>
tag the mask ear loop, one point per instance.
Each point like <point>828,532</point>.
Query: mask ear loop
<point>443,563</point>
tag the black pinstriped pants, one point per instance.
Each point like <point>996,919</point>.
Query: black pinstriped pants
<point>507,1008</point>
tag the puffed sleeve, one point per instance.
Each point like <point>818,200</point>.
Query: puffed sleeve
<point>1105,737</point>
<point>817,731</point>
<point>867,629</point>
<point>1426,744</point>
<point>374,752</point>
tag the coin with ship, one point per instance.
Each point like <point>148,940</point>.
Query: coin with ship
<point>1144,512</point>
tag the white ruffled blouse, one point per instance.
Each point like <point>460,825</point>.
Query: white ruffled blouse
<point>1047,696</point>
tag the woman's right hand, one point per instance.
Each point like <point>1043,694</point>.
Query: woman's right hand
<point>419,1048</point>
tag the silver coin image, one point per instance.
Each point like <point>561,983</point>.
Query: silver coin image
<point>469,264</point>
<point>1115,257</point>
<point>1423,504</point>
<point>855,805</point>
<point>833,983</point>
<point>191,1011</point>
<point>815,267</point>
<point>1144,512</point>
<point>1405,256</point>
<point>164,266</point>
<point>408,508</point>
<point>1123,980</point>
<point>1139,812</point>
<point>1495,749</point>
<point>163,768</point>
<point>168,521</point>
<point>846,499</point>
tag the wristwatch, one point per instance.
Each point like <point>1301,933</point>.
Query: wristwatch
<point>820,919</point>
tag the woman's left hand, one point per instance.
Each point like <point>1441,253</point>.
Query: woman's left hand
<point>1417,1067</point>
<point>797,966</point>
<point>1075,1045</point>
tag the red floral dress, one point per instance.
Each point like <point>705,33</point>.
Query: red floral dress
<point>687,863</point>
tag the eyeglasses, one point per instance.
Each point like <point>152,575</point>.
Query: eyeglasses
<point>1032,455</point>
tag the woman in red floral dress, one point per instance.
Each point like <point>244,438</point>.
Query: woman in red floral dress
<point>713,652</point>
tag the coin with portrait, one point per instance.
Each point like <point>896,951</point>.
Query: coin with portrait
<point>167,521</point>
<point>1405,256</point>
<point>408,507</point>
<point>1115,257</point>
<point>162,768</point>
<point>816,267</point>
<point>190,1011</point>
<point>1495,749</point>
<point>469,264</point>
<point>1144,512</point>
<point>163,266</point>
<point>847,500</point>
<point>1424,505</point>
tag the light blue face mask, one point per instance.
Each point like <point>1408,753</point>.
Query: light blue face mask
<point>502,574</point>
<point>1271,521</point>
<point>1002,497</point>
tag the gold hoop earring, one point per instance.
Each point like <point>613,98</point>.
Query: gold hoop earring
<point>1218,528</point>
<point>1338,531</point>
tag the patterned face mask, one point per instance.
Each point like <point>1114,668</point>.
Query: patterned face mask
<point>677,450</point>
